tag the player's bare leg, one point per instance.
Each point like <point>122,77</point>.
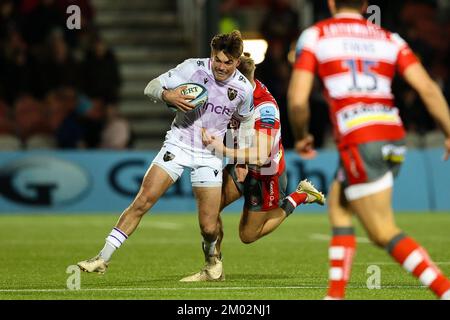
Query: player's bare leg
<point>256,224</point>
<point>155,183</point>
<point>376,214</point>
<point>342,244</point>
<point>339,213</point>
<point>230,193</point>
<point>208,202</point>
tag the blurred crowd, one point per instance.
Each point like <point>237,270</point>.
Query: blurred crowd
<point>422,23</point>
<point>58,87</point>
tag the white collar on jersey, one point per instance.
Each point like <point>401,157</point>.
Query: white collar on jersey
<point>348,15</point>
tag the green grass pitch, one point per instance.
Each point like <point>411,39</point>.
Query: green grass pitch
<point>290,263</point>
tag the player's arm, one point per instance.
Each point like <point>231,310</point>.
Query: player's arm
<point>432,97</point>
<point>300,86</point>
<point>158,88</point>
<point>155,91</point>
<point>258,153</point>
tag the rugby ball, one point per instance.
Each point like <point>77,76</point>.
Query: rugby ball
<point>196,90</point>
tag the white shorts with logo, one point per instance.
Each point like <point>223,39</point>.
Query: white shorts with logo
<point>174,157</point>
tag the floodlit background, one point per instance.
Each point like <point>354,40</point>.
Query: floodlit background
<point>83,89</point>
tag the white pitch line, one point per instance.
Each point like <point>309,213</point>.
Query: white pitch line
<point>204,288</point>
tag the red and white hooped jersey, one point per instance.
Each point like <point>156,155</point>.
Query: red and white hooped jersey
<point>356,61</point>
<point>267,120</point>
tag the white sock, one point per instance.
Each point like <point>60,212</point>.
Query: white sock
<point>107,251</point>
<point>113,241</point>
<point>208,247</point>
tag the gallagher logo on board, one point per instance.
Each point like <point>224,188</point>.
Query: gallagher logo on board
<point>43,181</point>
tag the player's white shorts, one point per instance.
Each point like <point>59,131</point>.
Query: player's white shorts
<point>206,169</point>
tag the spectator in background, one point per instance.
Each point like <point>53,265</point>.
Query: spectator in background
<point>92,116</point>
<point>281,24</point>
<point>101,77</point>
<point>40,58</point>
<point>101,82</point>
<point>64,120</point>
<point>117,132</point>
<point>41,20</point>
<point>9,20</point>
<point>17,69</point>
<point>30,118</point>
<point>60,68</point>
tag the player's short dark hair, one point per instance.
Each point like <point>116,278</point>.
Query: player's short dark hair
<point>247,65</point>
<point>356,4</point>
<point>230,43</point>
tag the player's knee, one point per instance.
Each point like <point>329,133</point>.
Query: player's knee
<point>142,204</point>
<point>247,237</point>
<point>209,231</point>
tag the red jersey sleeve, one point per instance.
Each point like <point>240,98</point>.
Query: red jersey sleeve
<point>305,50</point>
<point>306,61</point>
<point>405,56</point>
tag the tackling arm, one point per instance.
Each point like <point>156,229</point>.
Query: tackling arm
<point>257,154</point>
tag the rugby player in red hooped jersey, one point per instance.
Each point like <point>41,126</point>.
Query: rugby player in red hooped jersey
<point>263,182</point>
<point>356,61</point>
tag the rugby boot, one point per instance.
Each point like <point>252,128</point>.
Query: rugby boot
<point>95,264</point>
<point>212,271</point>
<point>313,195</point>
